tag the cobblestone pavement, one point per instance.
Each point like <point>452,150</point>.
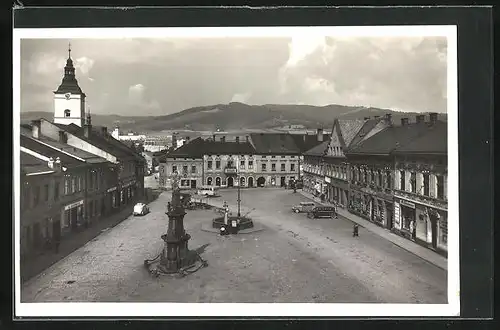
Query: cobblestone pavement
<point>295,259</point>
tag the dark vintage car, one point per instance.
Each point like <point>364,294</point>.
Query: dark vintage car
<point>322,211</point>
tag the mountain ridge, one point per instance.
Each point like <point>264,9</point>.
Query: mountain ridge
<point>237,115</point>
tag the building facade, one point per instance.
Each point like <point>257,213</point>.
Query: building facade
<point>421,188</point>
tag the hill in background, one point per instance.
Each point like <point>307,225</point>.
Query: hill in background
<point>236,116</point>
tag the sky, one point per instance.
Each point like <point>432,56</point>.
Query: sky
<point>159,76</point>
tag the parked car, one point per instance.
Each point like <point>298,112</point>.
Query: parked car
<point>322,211</point>
<point>303,207</point>
<point>207,191</point>
<point>140,209</point>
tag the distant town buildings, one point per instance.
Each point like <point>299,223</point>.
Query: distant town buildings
<point>72,173</point>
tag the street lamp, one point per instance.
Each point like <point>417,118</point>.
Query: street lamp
<point>239,194</point>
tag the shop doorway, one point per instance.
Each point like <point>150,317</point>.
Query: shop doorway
<point>261,182</point>
<point>230,181</point>
<point>250,182</point>
<point>282,181</point>
<point>434,231</point>
<point>390,220</point>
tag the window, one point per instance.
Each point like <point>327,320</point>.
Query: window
<point>184,169</point>
<point>440,186</point>
<point>273,167</point>
<point>282,156</point>
<point>282,167</point>
<point>46,192</point>
<point>263,167</point>
<point>292,156</point>
<point>273,156</point>
<point>413,182</point>
<point>292,167</point>
<point>402,183</point>
<point>66,186</point>
<point>36,195</point>
<point>242,164</point>
<point>264,156</point>
<point>174,168</point>
<point>67,113</point>
<point>250,164</point>
<point>366,176</point>
<point>426,184</point>
<point>380,179</point>
<point>193,169</point>
<point>217,164</point>
<point>209,164</point>
<point>73,185</point>
<point>388,180</point>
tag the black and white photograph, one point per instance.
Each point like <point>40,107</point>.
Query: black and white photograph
<point>248,171</point>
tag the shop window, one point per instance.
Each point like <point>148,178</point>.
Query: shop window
<point>443,224</point>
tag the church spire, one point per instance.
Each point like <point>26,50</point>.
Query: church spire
<point>69,50</point>
<point>69,82</point>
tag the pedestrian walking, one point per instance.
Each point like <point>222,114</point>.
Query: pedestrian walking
<point>355,230</point>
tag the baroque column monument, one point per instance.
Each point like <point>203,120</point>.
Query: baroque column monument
<point>176,258</point>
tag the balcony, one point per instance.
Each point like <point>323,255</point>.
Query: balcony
<point>230,170</point>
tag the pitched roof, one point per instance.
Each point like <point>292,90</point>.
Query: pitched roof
<point>31,164</point>
<point>389,139</point>
<point>305,142</point>
<point>36,146</point>
<point>318,150</point>
<point>367,126</point>
<point>192,149</point>
<point>274,143</point>
<point>349,129</point>
<point>433,141</point>
<point>228,148</point>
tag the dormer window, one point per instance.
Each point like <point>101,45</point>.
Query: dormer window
<point>67,113</point>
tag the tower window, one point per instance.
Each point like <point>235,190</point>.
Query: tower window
<point>67,113</point>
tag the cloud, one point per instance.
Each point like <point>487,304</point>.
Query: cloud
<point>159,76</point>
<point>241,97</point>
<point>84,64</point>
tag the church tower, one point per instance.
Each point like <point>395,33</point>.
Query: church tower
<point>69,100</point>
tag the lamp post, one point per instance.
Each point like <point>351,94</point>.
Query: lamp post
<point>239,194</point>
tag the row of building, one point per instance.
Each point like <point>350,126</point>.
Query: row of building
<point>252,160</point>
<point>393,174</point>
<point>72,174</point>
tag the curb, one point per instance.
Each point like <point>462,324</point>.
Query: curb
<point>393,242</point>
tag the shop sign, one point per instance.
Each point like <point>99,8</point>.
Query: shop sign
<point>407,204</point>
<point>328,180</point>
<point>73,205</point>
<point>111,189</point>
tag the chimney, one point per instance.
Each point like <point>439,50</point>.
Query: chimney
<point>388,118</point>
<point>433,116</point>
<point>51,162</point>
<point>35,128</point>
<point>404,121</point>
<point>104,130</point>
<point>247,138</point>
<point>420,119</point>
<point>188,139</point>
<point>366,118</point>
<point>213,137</point>
<point>62,137</point>
<point>319,134</point>
<point>237,139</point>
<point>223,138</point>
